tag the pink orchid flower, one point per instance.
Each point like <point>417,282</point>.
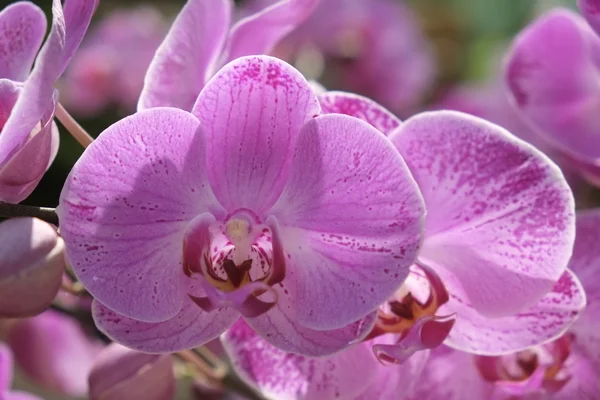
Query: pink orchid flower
<point>201,41</point>
<point>255,204</point>
<point>6,377</point>
<point>29,137</point>
<point>552,72</point>
<point>563,369</point>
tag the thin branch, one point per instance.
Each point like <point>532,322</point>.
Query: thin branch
<point>73,127</point>
<point>9,210</point>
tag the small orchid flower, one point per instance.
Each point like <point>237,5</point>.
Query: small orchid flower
<point>255,204</point>
<point>367,40</point>
<point>6,376</point>
<point>499,234</point>
<point>32,264</point>
<point>552,73</point>
<point>29,137</point>
<point>201,41</point>
<point>566,368</point>
<point>53,351</point>
<point>354,374</point>
<point>99,75</point>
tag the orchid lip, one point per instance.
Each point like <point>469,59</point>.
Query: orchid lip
<point>236,262</point>
<point>415,322</point>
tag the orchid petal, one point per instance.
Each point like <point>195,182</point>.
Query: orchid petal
<point>288,376</point>
<point>582,377</point>
<point>22,29</point>
<point>590,9</point>
<point>182,63</point>
<point>191,327</point>
<point>6,367</point>
<point>452,375</point>
<point>31,266</point>
<point>260,32</point>
<point>279,327</point>
<point>351,221</point>
<point>252,111</point>
<point>19,396</point>
<point>44,345</point>
<point>359,107</point>
<point>125,207</point>
<point>586,264</point>
<point>552,73</point>
<point>36,96</point>
<point>498,210</point>
<point>547,320</point>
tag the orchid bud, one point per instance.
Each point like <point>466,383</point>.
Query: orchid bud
<point>31,266</point>
<point>121,373</point>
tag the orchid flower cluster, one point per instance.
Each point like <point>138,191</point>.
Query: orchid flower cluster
<point>243,223</point>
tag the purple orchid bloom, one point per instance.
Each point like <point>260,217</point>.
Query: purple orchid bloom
<point>367,40</point>
<point>29,137</point>
<point>6,376</point>
<point>255,204</point>
<point>32,264</point>
<point>53,351</point>
<point>566,368</point>
<point>498,210</point>
<point>99,75</point>
<point>552,73</point>
<point>201,41</point>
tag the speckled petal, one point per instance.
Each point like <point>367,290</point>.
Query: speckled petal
<point>360,107</point>
<point>280,328</point>
<point>260,32</point>
<point>22,29</point>
<point>125,206</point>
<point>351,221</point>
<point>286,376</point>
<point>586,264</point>
<point>547,320</point>
<point>190,328</point>
<point>552,72</point>
<point>500,215</point>
<point>252,112</point>
<point>182,63</point>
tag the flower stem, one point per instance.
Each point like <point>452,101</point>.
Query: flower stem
<point>73,127</point>
<point>9,210</point>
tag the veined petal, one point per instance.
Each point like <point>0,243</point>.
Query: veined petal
<point>553,76</point>
<point>286,376</point>
<point>280,328</point>
<point>590,9</point>
<point>125,206</point>
<point>452,375</point>
<point>351,221</point>
<point>260,32</point>
<point>359,107</point>
<point>22,29</point>
<point>547,320</point>
<point>191,327</point>
<point>586,264</point>
<point>31,266</point>
<point>36,97</point>
<point>500,215</point>
<point>252,111</point>
<point>182,63</point>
